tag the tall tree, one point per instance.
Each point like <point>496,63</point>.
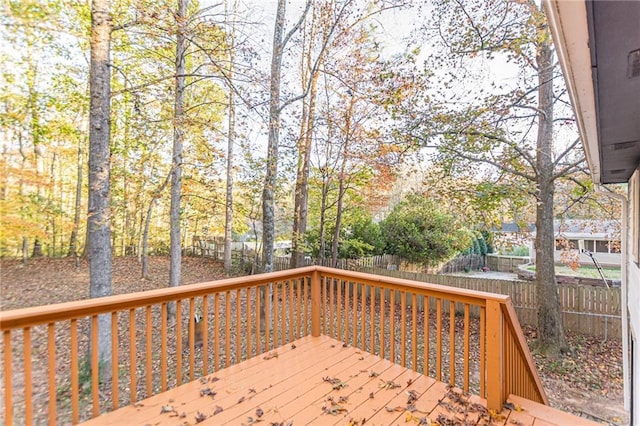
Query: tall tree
<point>178,140</point>
<point>515,132</point>
<point>280,41</point>
<point>99,214</point>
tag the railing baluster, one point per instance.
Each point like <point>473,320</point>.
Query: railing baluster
<point>115,396</point>
<point>425,310</point>
<point>28,377</point>
<point>363,310</point>
<point>392,325</point>
<point>51,365</point>
<point>276,314</point>
<point>75,410</point>
<point>483,353</point>
<point>332,312</point>
<point>191,332</point>
<point>163,347</point>
<point>258,314</point>
<point>438,339</point>
<point>227,328</point>
<point>249,293</point>
<point>382,323</point>
<point>403,329</point>
<point>414,331</point>
<point>339,309</point>
<point>372,319</point>
<point>8,371</point>
<point>238,324</point>
<point>354,312</point>
<point>149,343</point>
<point>466,354</point>
<point>267,315</point>
<point>301,304</point>
<point>283,310</point>
<point>216,332</point>
<point>205,335</point>
<point>347,293</point>
<point>323,305</point>
<point>95,367</point>
<point>132,356</point>
<point>291,308</point>
<point>178,342</point>
<point>452,343</point>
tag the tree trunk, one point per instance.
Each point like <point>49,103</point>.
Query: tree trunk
<point>73,239</point>
<point>268,193</point>
<point>551,337</point>
<point>178,138</point>
<point>144,259</point>
<point>341,188</point>
<point>302,180</point>
<point>228,215</point>
<point>98,223</point>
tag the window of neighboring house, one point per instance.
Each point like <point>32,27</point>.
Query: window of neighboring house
<point>602,246</point>
<point>589,245</point>
<point>573,244</point>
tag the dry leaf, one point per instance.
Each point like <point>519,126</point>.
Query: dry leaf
<point>200,417</point>
<point>167,409</point>
<point>218,410</point>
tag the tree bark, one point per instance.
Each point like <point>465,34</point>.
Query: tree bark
<point>551,337</point>
<point>99,213</point>
<point>228,216</point>
<point>147,222</point>
<point>178,138</point>
<point>268,193</point>
<point>73,239</point>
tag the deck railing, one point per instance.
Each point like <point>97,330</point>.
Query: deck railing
<point>470,339</point>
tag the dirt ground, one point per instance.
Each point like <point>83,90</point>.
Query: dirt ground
<point>587,382</point>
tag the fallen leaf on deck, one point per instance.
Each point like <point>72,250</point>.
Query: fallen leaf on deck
<point>259,412</point>
<point>271,355</point>
<point>373,374</point>
<point>167,409</point>
<point>389,384</point>
<point>207,391</point>
<point>241,399</point>
<point>218,410</point>
<point>371,395</point>
<point>200,417</point>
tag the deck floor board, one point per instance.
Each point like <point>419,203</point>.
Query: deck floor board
<point>296,388</point>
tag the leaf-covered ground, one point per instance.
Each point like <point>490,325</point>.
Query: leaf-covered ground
<point>587,381</point>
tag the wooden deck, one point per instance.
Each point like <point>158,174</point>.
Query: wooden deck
<point>317,380</point>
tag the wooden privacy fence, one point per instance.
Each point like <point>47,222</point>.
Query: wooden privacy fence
<point>245,317</point>
<point>591,310</point>
<point>502,263</point>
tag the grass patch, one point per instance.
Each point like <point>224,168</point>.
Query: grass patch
<point>586,271</point>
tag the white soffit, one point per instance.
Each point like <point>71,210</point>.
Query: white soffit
<point>569,28</point>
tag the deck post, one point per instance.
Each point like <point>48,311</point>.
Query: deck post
<point>495,362</point>
<point>315,303</point>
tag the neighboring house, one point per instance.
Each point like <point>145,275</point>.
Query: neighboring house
<point>574,237</point>
<point>600,238</point>
<point>598,46</point>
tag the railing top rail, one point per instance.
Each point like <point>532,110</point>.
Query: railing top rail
<point>398,283</point>
<point>76,309</point>
<point>35,315</point>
